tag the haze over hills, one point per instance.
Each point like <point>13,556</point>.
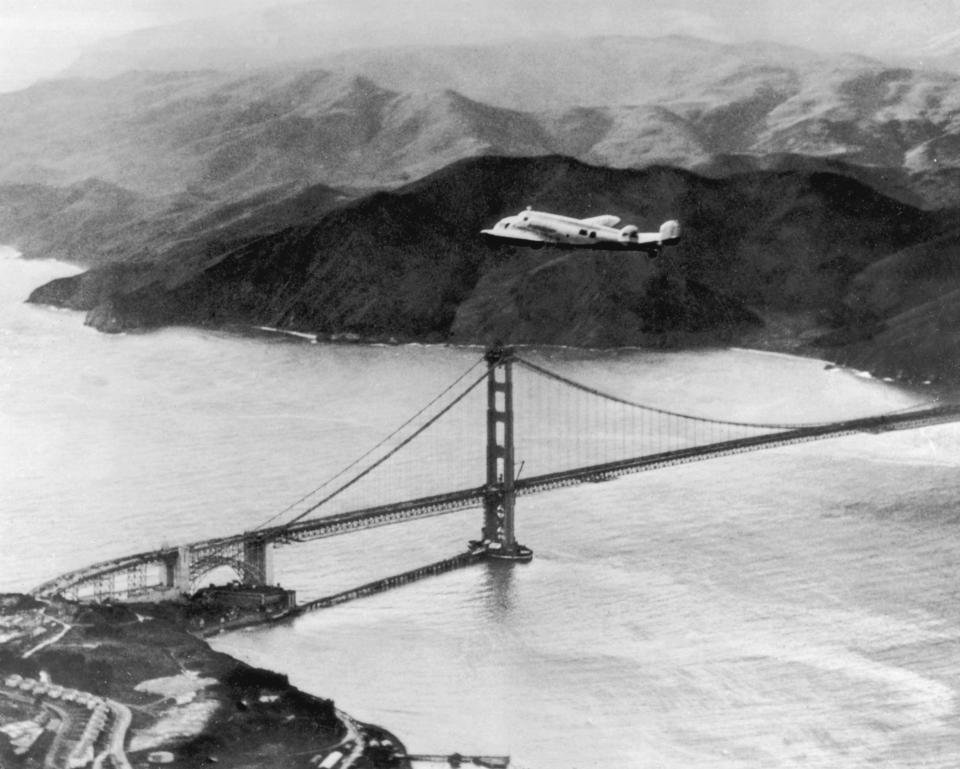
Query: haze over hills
<point>93,222</point>
<point>252,38</point>
<point>256,34</point>
<point>381,118</point>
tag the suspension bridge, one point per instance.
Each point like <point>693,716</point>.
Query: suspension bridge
<point>503,408</point>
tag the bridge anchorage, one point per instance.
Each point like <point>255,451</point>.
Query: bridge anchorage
<point>499,496</point>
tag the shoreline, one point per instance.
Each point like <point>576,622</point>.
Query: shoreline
<point>189,703</point>
<point>108,655</point>
<point>788,351</point>
<point>788,333</point>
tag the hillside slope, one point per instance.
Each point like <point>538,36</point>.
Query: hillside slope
<point>94,222</point>
<point>408,264</point>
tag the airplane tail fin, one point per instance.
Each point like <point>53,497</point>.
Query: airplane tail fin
<point>670,233</point>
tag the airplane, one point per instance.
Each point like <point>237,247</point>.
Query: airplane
<point>538,228</point>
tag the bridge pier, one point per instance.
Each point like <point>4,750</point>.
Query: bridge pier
<point>178,571</point>
<point>258,556</point>
<point>499,496</point>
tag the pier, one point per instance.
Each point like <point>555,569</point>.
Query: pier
<point>455,759</point>
<point>387,583</point>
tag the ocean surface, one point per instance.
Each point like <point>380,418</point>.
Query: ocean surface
<point>795,607</point>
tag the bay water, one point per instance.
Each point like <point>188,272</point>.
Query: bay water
<point>790,607</point>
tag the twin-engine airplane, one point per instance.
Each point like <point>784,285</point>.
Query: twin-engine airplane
<point>538,228</point>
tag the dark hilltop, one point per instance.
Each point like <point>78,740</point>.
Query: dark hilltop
<point>811,261</point>
<point>340,192</point>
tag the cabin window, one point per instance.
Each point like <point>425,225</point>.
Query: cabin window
<point>593,234</point>
<point>583,232</point>
<point>506,225</point>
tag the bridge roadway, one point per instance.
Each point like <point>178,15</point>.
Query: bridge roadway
<point>441,504</point>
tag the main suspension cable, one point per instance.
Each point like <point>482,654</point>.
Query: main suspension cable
<point>373,449</point>
<point>653,409</point>
<point>390,453</point>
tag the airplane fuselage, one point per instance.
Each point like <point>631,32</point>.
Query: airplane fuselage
<point>539,228</point>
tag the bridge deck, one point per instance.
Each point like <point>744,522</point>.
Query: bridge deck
<point>453,501</point>
<point>440,504</point>
<point>608,470</point>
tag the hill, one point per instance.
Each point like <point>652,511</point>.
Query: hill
<point>407,264</point>
<point>380,118</point>
<point>94,222</point>
<point>902,314</point>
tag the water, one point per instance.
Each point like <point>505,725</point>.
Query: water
<point>793,607</point>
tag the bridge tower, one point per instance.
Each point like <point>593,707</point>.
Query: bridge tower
<point>499,495</point>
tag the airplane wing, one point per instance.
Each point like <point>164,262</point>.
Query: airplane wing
<point>607,220</point>
<point>517,234</point>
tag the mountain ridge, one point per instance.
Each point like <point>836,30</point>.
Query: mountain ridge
<point>837,173</point>
<point>380,118</point>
